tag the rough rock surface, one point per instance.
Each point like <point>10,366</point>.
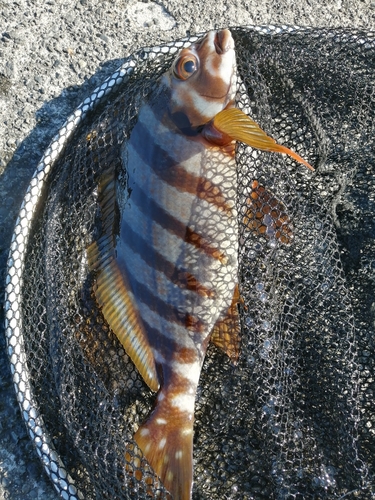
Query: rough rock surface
<point>52,55</point>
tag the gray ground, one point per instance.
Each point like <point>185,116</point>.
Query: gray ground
<point>52,55</point>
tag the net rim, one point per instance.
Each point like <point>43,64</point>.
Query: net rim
<point>53,464</point>
<point>54,467</point>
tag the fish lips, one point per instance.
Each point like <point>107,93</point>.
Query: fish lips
<point>223,41</point>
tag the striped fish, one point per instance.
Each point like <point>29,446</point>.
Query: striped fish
<point>166,268</point>
<point>166,279</point>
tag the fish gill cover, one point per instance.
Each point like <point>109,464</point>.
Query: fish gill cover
<point>295,417</point>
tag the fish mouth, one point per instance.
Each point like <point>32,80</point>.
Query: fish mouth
<point>215,97</point>
<point>223,41</point>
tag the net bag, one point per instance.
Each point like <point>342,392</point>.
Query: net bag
<point>295,418</point>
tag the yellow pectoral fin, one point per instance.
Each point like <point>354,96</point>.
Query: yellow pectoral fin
<point>226,333</point>
<point>237,125</point>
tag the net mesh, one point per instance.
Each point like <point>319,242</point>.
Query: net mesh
<point>295,418</point>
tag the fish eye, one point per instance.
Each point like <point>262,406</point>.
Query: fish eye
<point>185,66</point>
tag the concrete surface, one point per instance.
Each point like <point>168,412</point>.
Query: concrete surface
<point>52,55</point>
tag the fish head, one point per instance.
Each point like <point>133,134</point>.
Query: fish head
<point>202,80</point>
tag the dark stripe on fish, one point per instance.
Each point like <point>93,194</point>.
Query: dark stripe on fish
<point>159,215</point>
<point>191,283</point>
<point>168,346</point>
<point>195,239</point>
<point>180,277</point>
<point>163,309</point>
<point>176,176</point>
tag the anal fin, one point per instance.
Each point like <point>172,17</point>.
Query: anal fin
<point>226,333</point>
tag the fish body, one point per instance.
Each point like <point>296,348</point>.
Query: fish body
<point>167,280</point>
<point>182,268</point>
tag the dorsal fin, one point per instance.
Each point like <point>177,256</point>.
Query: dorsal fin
<point>112,290</point>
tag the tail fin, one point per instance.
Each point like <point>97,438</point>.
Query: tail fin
<point>166,440</point>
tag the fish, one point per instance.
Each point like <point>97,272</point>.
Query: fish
<point>166,261</point>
